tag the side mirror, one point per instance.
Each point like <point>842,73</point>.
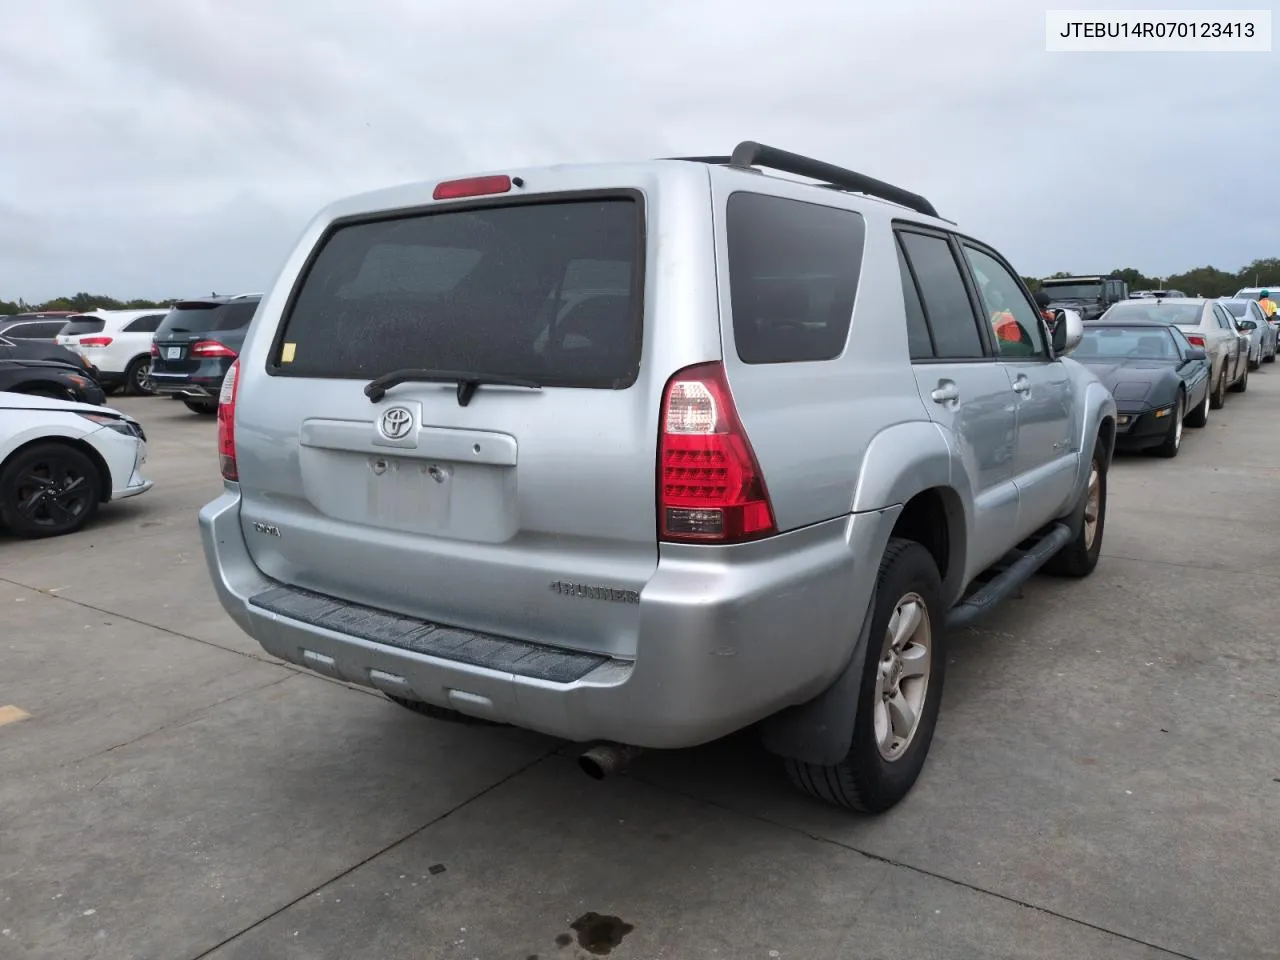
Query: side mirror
<point>1248,325</point>
<point>1068,331</point>
<point>1195,353</point>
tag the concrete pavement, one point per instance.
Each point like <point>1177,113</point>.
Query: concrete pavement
<point>1105,782</point>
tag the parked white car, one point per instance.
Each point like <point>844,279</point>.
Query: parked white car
<point>60,461</point>
<point>118,343</point>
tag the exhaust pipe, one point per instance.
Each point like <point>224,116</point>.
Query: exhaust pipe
<point>606,758</point>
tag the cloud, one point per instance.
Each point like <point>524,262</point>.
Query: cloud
<point>153,147</point>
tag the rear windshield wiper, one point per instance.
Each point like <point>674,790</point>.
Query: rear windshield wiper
<point>466,380</point>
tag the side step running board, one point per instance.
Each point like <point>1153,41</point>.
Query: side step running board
<point>1008,580</point>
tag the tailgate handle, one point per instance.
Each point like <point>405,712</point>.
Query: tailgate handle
<point>430,443</point>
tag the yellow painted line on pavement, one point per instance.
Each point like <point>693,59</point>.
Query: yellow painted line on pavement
<point>11,714</point>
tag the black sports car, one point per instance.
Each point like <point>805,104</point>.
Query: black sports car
<point>1158,378</point>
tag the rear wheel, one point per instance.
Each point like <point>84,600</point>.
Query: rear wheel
<point>900,691</point>
<point>48,490</point>
<point>1241,385</point>
<point>138,377</point>
<point>1219,395</point>
<point>1200,415</point>
<point>1173,438</point>
<point>202,406</point>
<point>1080,556</point>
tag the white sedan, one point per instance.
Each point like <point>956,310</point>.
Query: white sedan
<point>59,461</point>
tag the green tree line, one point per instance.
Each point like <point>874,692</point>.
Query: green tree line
<point>82,303</point>
<point>1200,282</point>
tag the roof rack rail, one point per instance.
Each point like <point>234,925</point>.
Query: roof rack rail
<point>750,154</point>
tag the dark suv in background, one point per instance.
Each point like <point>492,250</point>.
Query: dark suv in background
<point>196,344</point>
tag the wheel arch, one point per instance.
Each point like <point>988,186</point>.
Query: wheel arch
<point>909,467</point>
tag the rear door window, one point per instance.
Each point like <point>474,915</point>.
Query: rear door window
<point>145,324</point>
<point>548,291</point>
<point>793,276</point>
<point>82,326</point>
<point>947,306</point>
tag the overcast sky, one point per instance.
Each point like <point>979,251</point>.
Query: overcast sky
<point>155,148</point>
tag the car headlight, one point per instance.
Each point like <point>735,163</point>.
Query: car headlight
<point>118,424</point>
<point>1131,390</point>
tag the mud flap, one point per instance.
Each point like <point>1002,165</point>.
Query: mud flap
<point>820,731</point>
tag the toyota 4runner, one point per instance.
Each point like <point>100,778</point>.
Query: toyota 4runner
<point>642,454</point>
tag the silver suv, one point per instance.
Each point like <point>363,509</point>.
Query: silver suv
<point>642,454</point>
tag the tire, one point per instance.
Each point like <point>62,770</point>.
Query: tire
<point>442,713</point>
<point>1219,395</point>
<point>49,490</point>
<point>1200,415</point>
<point>205,407</point>
<point>871,778</point>
<point>1079,557</point>
<point>137,377</point>
<point>1241,385</point>
<point>1173,439</point>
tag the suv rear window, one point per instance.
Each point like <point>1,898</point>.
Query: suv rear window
<point>793,274</point>
<point>198,317</point>
<point>80,326</point>
<point>548,291</point>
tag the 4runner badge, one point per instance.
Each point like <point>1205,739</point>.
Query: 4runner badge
<point>592,592</point>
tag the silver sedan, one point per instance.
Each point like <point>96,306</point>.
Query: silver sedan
<point>1263,337</point>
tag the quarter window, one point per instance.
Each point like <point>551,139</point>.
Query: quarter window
<point>947,307</point>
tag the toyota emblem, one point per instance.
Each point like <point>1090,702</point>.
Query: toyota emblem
<point>395,422</point>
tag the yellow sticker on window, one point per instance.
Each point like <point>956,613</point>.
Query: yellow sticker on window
<point>286,353</point>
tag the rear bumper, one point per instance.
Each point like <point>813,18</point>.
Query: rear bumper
<point>728,637</point>
<point>203,384</point>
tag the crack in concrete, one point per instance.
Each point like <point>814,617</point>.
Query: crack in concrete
<point>377,853</point>
<point>1231,571</point>
<point>889,861</point>
<point>255,657</point>
<point>182,721</point>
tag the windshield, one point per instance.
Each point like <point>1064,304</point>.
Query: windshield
<point>1145,343</point>
<point>1072,291</point>
<point>1185,314</point>
<point>1238,308</point>
<point>547,292</point>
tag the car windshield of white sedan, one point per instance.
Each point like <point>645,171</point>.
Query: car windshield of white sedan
<point>1144,343</point>
<point>1187,314</point>
<point>1237,307</point>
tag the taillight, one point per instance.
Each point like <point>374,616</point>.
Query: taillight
<point>471,187</point>
<point>1195,341</point>
<point>155,351</point>
<point>95,341</point>
<point>210,348</point>
<point>710,488</point>
<point>227,423</point>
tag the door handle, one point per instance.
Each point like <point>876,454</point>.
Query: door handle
<point>946,392</point>
<point>1022,385</point>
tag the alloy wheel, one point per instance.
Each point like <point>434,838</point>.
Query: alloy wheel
<point>902,678</point>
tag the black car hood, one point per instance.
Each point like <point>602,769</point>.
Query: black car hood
<point>1128,373</point>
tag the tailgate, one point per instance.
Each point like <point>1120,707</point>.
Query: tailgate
<point>523,509</point>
